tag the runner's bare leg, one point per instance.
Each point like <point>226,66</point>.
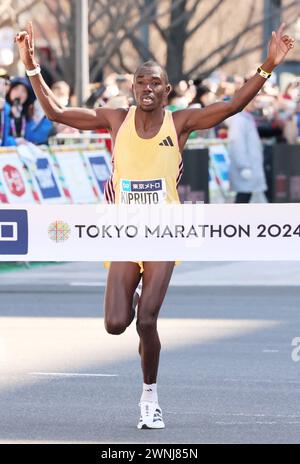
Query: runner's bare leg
<point>156,279</point>
<point>122,280</point>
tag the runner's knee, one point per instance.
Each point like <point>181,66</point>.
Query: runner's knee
<point>115,326</point>
<point>146,324</point>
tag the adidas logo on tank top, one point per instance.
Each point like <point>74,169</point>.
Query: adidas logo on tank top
<point>167,142</point>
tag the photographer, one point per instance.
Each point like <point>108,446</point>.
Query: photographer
<point>20,97</point>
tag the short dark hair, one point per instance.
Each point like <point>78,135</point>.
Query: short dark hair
<point>153,64</point>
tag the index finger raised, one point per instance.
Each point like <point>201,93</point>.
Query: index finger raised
<point>280,30</point>
<point>31,33</point>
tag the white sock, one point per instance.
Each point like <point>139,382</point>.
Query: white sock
<point>149,392</point>
<point>139,288</point>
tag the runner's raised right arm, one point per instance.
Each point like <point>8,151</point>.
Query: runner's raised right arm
<point>80,118</point>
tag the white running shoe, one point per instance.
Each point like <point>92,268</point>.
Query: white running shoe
<point>151,416</point>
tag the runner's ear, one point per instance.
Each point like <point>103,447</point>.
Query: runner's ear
<point>168,88</point>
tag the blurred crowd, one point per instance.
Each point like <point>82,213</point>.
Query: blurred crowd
<point>22,117</point>
<point>276,113</point>
<point>273,116</point>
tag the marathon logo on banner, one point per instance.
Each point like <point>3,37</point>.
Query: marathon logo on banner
<point>141,192</point>
<point>167,232</point>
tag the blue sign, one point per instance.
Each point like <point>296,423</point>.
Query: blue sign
<point>46,180</point>
<point>100,169</point>
<point>13,232</point>
<point>221,165</point>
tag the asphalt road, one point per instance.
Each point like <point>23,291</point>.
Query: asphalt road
<point>226,371</point>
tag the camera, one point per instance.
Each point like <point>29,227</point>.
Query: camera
<point>16,102</point>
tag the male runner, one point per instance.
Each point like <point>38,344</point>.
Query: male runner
<point>148,141</point>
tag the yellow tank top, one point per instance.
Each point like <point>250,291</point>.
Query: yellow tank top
<point>145,171</point>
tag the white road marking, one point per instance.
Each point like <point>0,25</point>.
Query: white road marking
<point>72,374</point>
<point>270,351</point>
<point>246,423</point>
<point>272,381</point>
<point>257,418</point>
<point>86,284</point>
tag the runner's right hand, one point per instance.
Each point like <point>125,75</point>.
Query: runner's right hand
<point>25,42</point>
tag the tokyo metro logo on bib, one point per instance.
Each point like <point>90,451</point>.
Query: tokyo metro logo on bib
<point>143,192</point>
<point>13,232</point>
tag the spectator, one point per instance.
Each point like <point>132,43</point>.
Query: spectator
<point>20,97</point>
<point>246,173</point>
<point>5,76</point>
<point>181,89</point>
<point>119,101</point>
<point>174,101</point>
<point>38,128</point>
<point>292,91</point>
<point>291,128</point>
<point>95,98</point>
<point>204,96</point>
<point>124,83</point>
<point>62,91</point>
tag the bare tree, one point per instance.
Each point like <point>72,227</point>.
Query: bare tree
<point>62,39</point>
<point>117,24</point>
<point>111,22</point>
<point>11,10</point>
<point>179,31</point>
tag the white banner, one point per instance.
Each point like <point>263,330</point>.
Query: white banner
<point>189,232</point>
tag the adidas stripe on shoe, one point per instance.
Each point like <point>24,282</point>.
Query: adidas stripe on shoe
<point>151,416</point>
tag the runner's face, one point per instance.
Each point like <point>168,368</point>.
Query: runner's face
<point>150,89</point>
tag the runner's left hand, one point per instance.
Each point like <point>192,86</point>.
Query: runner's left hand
<point>279,45</point>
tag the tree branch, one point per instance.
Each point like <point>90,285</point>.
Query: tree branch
<point>122,64</point>
<point>243,52</point>
<point>13,13</point>
<point>163,33</point>
<point>140,47</point>
<point>204,18</point>
<point>186,16</point>
<point>60,26</point>
<point>234,39</point>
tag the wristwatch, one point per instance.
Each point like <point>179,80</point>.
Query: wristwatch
<point>33,72</point>
<point>263,73</point>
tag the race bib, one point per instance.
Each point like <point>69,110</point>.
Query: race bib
<point>143,192</point>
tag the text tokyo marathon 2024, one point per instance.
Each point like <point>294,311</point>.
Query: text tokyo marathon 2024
<point>174,231</point>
